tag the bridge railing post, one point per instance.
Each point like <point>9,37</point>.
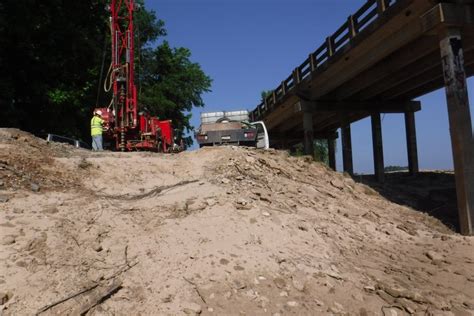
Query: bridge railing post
<point>330,46</point>
<point>382,6</point>
<point>352,25</point>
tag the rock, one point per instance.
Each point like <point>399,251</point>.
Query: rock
<point>8,240</point>
<point>225,181</point>
<point>167,299</point>
<point>238,285</point>
<point>211,202</point>
<point>263,301</point>
<point>228,294</point>
<point>224,261</point>
<point>4,198</point>
<point>386,297</point>
<point>434,256</point>
<point>409,306</point>
<point>210,309</point>
<point>266,214</point>
<point>299,281</point>
<point>250,160</point>
<point>50,210</point>
<point>337,184</point>
<point>2,183</point>
<point>192,309</point>
<point>284,294</point>
<point>395,291</point>
<point>35,187</point>
<point>358,297</point>
<point>336,308</point>
<point>292,303</point>
<point>318,302</point>
<point>391,312</point>
<point>242,201</point>
<point>97,247</point>
<point>279,282</point>
<point>369,288</point>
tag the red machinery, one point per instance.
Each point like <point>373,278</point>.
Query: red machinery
<point>126,128</point>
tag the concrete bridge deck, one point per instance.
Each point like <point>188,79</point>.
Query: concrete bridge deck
<point>385,55</point>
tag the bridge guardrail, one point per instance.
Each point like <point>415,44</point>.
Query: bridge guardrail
<point>355,23</point>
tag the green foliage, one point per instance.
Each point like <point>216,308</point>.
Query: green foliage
<point>172,85</point>
<point>264,94</point>
<point>321,151</point>
<point>51,59</point>
<point>395,168</point>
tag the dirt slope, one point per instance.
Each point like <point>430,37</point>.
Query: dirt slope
<point>219,231</point>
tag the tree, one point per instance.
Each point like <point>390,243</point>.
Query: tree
<point>49,61</point>
<point>264,94</point>
<point>172,85</point>
<point>53,58</point>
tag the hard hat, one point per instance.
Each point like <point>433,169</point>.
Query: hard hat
<point>98,112</point>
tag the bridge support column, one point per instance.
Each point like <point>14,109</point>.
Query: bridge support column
<point>308,133</point>
<point>347,147</point>
<point>462,141</point>
<point>412,150</point>
<point>332,153</point>
<point>378,147</point>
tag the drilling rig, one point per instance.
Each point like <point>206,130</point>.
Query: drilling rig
<point>126,128</point>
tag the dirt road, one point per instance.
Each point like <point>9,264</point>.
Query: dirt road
<point>219,231</point>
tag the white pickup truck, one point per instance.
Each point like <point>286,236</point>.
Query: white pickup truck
<point>231,127</point>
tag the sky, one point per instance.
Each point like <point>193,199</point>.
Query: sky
<point>247,46</point>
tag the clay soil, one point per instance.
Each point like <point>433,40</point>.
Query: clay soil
<point>218,231</point>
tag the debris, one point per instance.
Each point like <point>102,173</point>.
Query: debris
<point>97,297</point>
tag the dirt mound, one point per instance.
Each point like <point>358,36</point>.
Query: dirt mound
<point>28,162</point>
<point>221,231</point>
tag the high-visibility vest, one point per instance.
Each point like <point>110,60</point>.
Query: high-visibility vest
<point>96,126</point>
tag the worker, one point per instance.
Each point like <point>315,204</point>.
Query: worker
<point>96,130</point>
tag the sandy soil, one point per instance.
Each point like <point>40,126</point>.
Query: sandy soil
<point>219,231</point>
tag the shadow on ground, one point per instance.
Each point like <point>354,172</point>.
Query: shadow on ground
<point>432,192</point>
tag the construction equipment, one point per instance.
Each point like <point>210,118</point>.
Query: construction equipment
<point>126,128</point>
<point>231,127</point>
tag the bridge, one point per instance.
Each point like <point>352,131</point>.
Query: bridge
<point>384,56</point>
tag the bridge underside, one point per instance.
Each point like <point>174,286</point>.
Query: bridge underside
<point>408,49</point>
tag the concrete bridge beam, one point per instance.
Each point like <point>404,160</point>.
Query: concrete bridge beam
<point>378,147</point>
<point>462,140</point>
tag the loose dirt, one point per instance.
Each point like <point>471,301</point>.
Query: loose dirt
<point>218,231</point>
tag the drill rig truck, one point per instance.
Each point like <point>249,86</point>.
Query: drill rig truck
<point>126,128</point>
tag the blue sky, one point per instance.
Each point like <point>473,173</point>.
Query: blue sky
<point>247,46</point>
